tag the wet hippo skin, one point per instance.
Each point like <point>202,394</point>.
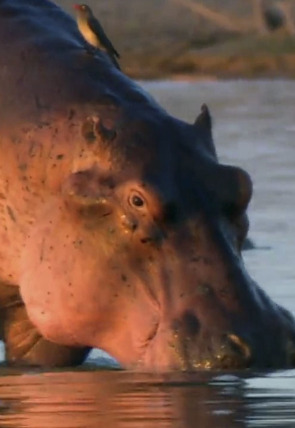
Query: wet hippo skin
<point>119,227</point>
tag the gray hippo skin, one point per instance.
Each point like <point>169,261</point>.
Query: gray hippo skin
<point>119,228</point>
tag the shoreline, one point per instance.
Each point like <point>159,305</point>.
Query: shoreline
<point>251,57</point>
<point>219,68</point>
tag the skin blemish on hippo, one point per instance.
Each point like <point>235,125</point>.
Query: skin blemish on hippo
<point>204,289</point>
<point>94,129</point>
<point>71,114</point>
<point>11,213</point>
<point>88,131</point>
<point>23,167</point>
<point>106,133</point>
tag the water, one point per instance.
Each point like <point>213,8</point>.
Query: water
<point>126,400</point>
<point>254,127</point>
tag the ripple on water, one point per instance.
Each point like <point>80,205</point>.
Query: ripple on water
<point>119,399</point>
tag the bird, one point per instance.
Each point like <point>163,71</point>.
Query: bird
<point>93,33</point>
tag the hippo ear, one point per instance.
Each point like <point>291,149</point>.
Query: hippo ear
<point>204,119</point>
<point>203,126</point>
<point>84,190</point>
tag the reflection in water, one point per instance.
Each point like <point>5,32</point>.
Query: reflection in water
<point>254,129</point>
<point>118,399</point>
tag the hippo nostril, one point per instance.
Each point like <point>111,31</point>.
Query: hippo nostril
<point>234,352</point>
<point>239,346</point>
<point>192,323</point>
<point>188,324</point>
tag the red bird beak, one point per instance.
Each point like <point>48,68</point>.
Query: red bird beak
<point>77,6</point>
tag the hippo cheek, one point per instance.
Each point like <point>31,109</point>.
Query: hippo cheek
<point>77,290</point>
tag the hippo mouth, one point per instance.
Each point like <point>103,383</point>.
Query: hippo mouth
<point>177,352</point>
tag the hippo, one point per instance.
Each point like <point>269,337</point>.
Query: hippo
<point>120,229</point>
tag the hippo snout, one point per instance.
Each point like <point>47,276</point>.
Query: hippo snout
<point>225,349</point>
<point>187,346</point>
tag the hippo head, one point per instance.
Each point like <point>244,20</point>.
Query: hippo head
<point>139,252</point>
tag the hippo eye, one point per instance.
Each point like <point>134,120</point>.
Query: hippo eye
<point>137,201</point>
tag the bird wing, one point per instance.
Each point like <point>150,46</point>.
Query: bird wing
<point>96,27</point>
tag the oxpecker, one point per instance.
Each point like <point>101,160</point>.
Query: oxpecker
<point>93,32</point>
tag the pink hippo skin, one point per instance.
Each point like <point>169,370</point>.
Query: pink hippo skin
<point>119,228</point>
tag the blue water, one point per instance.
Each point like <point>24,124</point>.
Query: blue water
<point>254,127</point>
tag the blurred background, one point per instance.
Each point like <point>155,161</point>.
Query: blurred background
<point>210,38</point>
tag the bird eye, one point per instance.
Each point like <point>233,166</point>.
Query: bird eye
<point>137,201</point>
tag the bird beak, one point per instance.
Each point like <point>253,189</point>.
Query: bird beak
<point>76,6</point>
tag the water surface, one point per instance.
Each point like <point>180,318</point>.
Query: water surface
<point>254,127</point>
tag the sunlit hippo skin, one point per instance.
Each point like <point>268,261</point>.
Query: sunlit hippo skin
<point>119,228</point>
